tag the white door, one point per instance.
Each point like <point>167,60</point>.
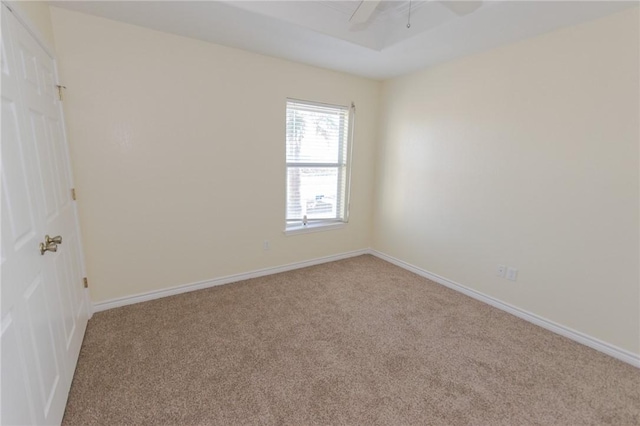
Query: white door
<point>44,309</point>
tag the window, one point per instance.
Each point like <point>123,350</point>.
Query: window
<point>317,164</point>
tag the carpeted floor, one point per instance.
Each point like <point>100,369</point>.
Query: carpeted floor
<point>359,341</point>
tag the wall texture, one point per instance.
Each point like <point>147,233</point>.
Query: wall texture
<point>526,155</point>
<point>178,149</point>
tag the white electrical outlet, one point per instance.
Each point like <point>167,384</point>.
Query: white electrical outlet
<point>501,271</point>
<point>265,245</point>
<point>512,274</point>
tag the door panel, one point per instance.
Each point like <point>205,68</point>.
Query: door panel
<point>45,163</point>
<point>65,298</point>
<point>16,403</point>
<point>41,350</point>
<point>19,208</point>
<point>54,128</point>
<point>47,73</point>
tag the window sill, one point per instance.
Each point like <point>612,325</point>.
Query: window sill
<point>315,227</point>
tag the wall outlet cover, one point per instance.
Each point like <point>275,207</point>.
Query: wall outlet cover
<point>501,271</point>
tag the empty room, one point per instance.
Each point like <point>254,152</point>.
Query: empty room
<point>320,212</point>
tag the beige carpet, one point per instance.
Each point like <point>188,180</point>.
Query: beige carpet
<point>358,341</point>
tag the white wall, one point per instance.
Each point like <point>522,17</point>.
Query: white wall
<point>526,155</point>
<point>179,159</point>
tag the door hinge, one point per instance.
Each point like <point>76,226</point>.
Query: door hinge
<point>60,88</point>
<point>85,281</point>
<point>73,194</point>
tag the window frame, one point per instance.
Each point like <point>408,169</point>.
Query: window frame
<point>343,166</point>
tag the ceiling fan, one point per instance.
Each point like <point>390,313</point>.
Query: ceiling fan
<point>366,9</point>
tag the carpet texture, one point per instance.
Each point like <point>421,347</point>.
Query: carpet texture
<point>358,341</point>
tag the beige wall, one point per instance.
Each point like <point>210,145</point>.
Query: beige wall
<point>526,155</point>
<point>178,154</point>
<point>38,17</point>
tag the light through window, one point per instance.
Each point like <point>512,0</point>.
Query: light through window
<point>317,163</point>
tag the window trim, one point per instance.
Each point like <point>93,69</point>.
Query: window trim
<point>316,225</point>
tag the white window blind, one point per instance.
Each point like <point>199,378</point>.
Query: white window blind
<point>317,163</point>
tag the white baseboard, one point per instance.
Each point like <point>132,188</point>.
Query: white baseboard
<point>577,336</point>
<point>592,342</point>
<point>185,288</point>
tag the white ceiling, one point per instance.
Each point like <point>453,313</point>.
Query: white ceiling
<point>318,32</point>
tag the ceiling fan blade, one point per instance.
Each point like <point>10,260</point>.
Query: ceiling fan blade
<point>364,11</point>
<point>462,8</point>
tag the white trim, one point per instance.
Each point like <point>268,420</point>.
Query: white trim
<point>317,104</point>
<point>314,227</point>
<point>185,288</point>
<point>592,342</point>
